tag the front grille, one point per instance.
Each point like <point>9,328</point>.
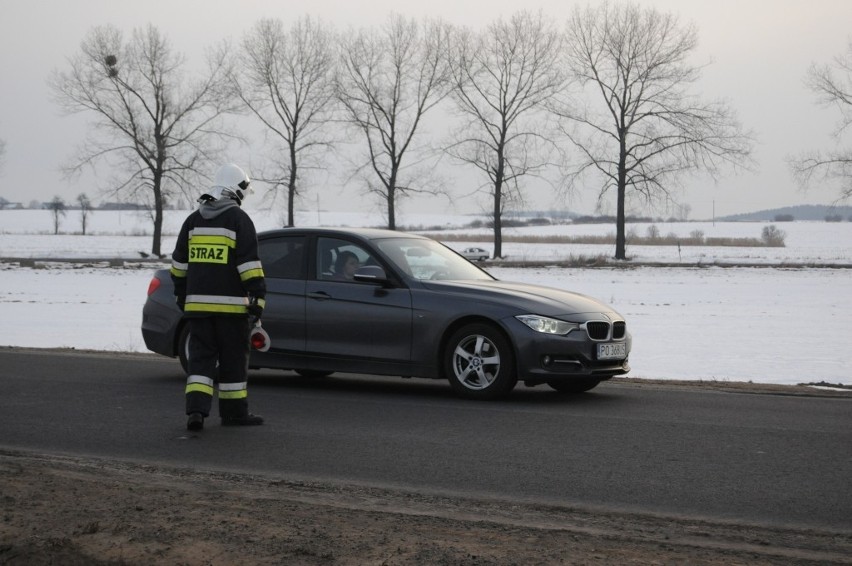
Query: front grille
<point>597,330</point>
<point>619,329</point>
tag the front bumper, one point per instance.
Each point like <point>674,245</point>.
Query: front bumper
<point>544,357</point>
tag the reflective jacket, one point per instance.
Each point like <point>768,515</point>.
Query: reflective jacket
<point>215,265</point>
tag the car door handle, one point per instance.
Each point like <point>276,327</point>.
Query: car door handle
<point>319,295</point>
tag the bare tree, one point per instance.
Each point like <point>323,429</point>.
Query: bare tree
<point>57,210</point>
<point>643,128</point>
<point>502,77</point>
<point>833,85</point>
<point>287,81</point>
<point>85,209</point>
<point>154,126</point>
<point>388,81</point>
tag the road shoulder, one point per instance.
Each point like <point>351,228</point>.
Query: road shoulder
<point>62,509</point>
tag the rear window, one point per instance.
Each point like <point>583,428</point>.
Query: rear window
<point>283,257</point>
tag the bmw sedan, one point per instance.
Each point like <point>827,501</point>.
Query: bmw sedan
<point>391,303</point>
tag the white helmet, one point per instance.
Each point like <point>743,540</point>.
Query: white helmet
<point>230,181</point>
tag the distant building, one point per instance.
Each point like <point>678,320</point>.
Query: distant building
<point>9,205</point>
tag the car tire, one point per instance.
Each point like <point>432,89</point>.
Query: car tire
<point>574,385</point>
<point>313,373</point>
<point>479,362</point>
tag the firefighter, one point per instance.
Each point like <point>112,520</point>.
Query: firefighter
<point>219,285</point>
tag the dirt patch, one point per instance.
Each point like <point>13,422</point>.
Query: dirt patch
<point>62,510</point>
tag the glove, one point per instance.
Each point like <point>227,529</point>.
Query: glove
<point>255,308</point>
<point>180,301</point>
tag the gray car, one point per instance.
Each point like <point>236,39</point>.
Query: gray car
<point>414,308</point>
<point>474,254</point>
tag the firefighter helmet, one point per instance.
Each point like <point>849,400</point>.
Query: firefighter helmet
<point>230,178</point>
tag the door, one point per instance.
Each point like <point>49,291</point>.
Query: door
<point>284,266</point>
<point>353,320</point>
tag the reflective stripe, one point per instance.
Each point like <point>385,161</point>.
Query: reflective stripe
<point>205,307</point>
<point>199,384</point>
<point>217,299</point>
<point>233,390</point>
<point>233,394</point>
<point>251,274</point>
<point>216,303</point>
<point>210,245</point>
<point>195,378</point>
<point>250,270</point>
<point>213,232</point>
<point>215,240</point>
<point>179,269</point>
<point>198,388</point>
<point>249,265</point>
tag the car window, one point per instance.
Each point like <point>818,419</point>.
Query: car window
<point>428,259</point>
<point>338,259</point>
<point>283,257</point>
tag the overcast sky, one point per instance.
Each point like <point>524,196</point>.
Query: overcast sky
<point>758,53</point>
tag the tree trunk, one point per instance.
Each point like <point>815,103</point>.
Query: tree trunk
<point>391,207</point>
<point>392,197</point>
<point>498,222</point>
<point>158,216</point>
<point>620,239</point>
<point>291,189</point>
<point>498,205</point>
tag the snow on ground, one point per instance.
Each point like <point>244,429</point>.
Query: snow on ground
<point>760,324</point>
<point>29,233</point>
<point>736,324</point>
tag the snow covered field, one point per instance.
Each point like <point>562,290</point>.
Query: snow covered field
<point>29,233</point>
<point>760,324</point>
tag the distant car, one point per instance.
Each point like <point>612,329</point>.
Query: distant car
<point>415,308</point>
<point>475,254</point>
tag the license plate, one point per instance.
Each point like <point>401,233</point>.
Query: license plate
<point>612,351</point>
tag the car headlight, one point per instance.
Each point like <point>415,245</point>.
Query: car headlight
<point>547,325</point>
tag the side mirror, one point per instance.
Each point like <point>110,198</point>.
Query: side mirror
<point>371,274</point>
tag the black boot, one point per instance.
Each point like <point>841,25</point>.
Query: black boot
<point>245,420</point>
<point>195,421</point>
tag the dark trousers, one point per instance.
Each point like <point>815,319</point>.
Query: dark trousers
<point>218,352</point>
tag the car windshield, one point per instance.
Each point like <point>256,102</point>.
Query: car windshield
<point>428,259</point>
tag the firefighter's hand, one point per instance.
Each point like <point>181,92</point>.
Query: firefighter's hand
<point>180,301</point>
<point>255,308</point>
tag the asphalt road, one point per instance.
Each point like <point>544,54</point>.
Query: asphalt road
<point>774,460</point>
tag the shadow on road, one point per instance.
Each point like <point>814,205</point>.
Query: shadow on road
<point>419,387</point>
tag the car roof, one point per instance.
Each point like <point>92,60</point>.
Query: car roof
<point>364,233</point>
